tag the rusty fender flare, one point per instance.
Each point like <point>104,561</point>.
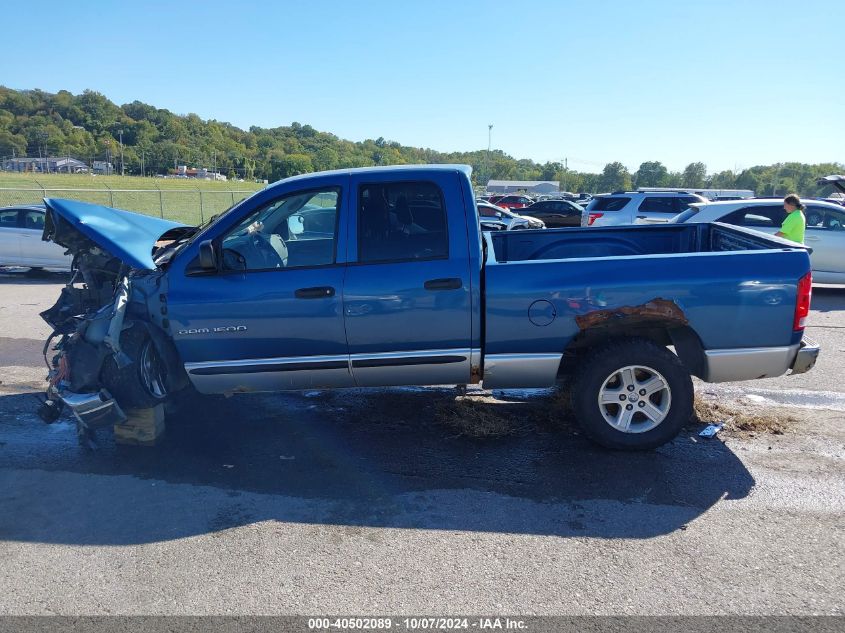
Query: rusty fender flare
<point>662,311</point>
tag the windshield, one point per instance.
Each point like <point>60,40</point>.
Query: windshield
<point>202,228</point>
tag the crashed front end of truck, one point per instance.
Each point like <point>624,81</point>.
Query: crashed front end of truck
<point>110,349</point>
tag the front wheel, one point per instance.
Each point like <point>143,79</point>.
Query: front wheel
<point>632,394</point>
<point>142,383</point>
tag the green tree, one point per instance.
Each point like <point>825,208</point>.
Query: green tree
<point>12,144</point>
<point>651,174</point>
<point>694,175</point>
<point>614,177</point>
<point>723,180</point>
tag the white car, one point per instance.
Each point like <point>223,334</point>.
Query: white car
<point>638,207</point>
<point>20,240</point>
<point>495,218</point>
<point>825,232</point>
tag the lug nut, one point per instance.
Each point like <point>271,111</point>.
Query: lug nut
<point>642,392</point>
<point>623,397</point>
<point>642,403</point>
<point>630,387</point>
<point>629,407</point>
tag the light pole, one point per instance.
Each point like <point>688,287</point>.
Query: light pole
<point>120,133</point>
<point>487,156</point>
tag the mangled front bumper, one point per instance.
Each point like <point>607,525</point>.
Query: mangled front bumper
<point>93,410</point>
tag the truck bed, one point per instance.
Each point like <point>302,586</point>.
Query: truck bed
<point>627,241</point>
<point>729,287</point>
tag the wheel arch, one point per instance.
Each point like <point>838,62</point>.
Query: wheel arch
<point>177,377</point>
<point>668,333</point>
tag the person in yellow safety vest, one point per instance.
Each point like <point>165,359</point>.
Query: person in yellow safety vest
<point>795,223</point>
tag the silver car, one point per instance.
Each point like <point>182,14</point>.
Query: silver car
<point>20,240</point>
<point>825,232</point>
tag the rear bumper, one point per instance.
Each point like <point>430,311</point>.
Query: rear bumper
<point>806,357</point>
<point>728,365</point>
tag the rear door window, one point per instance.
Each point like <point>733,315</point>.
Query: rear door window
<point>609,204</point>
<point>402,221</point>
<point>822,218</point>
<point>659,204</point>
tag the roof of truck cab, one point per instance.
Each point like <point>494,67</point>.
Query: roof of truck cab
<point>466,169</point>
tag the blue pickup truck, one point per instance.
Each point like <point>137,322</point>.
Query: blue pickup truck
<point>381,276</point>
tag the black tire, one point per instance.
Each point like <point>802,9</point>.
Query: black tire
<point>141,384</point>
<point>609,371</point>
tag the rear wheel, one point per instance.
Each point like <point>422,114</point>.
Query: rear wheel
<point>142,383</point>
<point>632,394</point>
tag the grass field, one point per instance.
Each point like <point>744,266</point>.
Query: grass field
<point>183,200</point>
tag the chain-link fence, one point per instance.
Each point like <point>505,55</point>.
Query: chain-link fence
<point>190,206</point>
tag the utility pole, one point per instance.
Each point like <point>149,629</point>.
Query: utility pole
<point>120,133</point>
<point>565,173</point>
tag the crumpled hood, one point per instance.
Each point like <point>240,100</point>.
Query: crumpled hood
<point>128,236</point>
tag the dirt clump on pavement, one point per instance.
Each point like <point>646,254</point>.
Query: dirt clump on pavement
<point>740,419</point>
<point>490,415</point>
<point>474,417</point>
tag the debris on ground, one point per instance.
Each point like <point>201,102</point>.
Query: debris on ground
<point>711,430</point>
<point>741,419</point>
<point>473,417</point>
<point>143,427</point>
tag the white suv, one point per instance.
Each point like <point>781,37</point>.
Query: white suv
<point>636,207</point>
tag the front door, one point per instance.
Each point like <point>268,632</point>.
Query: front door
<point>407,292</point>
<point>271,317</point>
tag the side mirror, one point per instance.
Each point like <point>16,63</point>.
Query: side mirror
<point>207,256</point>
<point>296,225</point>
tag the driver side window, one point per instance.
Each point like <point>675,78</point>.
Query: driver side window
<point>295,231</point>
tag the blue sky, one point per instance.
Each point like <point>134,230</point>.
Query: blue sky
<point>733,84</point>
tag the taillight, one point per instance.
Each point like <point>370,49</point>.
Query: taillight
<point>593,218</point>
<point>802,305</point>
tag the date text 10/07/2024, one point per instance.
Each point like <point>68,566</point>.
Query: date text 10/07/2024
<point>416,624</point>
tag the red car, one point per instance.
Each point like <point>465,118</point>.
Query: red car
<point>511,202</point>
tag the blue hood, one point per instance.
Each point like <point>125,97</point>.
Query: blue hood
<point>128,236</point>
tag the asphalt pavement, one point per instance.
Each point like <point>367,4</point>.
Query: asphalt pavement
<point>363,502</point>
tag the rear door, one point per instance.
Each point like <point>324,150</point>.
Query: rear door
<point>660,208</point>
<point>407,304</point>
<point>10,237</point>
<point>825,234</point>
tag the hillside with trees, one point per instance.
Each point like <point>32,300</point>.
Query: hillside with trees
<point>88,127</point>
